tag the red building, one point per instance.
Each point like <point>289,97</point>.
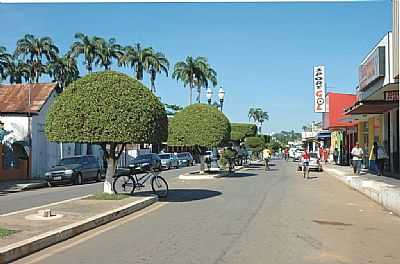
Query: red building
<point>343,132</point>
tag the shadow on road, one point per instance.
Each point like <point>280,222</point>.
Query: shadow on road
<point>239,175</point>
<point>184,195</point>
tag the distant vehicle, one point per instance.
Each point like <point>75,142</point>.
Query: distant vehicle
<point>168,160</point>
<point>315,163</point>
<point>208,155</point>
<point>150,160</point>
<point>185,159</point>
<point>75,170</point>
<point>297,154</point>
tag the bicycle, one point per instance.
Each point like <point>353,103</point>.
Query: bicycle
<point>126,184</point>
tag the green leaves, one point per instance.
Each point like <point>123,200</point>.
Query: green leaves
<point>199,125</point>
<point>241,130</point>
<point>107,107</point>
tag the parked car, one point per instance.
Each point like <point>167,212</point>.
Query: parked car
<point>168,160</point>
<point>152,160</point>
<point>185,159</point>
<point>315,163</point>
<point>76,170</point>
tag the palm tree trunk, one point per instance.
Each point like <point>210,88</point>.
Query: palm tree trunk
<point>190,93</point>
<point>198,93</point>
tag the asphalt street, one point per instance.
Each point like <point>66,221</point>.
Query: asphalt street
<point>11,202</point>
<point>272,217</point>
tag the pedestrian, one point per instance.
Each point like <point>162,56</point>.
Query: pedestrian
<point>325,155</point>
<point>372,158</point>
<point>380,159</point>
<point>335,155</point>
<point>266,156</point>
<point>357,154</point>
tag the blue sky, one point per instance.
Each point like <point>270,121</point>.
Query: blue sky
<point>264,53</point>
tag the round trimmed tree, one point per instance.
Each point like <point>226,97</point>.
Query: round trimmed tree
<point>200,126</point>
<point>109,109</point>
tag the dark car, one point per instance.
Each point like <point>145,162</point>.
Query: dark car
<point>150,160</point>
<point>185,159</point>
<point>76,170</point>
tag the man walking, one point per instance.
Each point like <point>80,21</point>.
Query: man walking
<point>266,157</point>
<point>380,159</point>
<point>357,154</point>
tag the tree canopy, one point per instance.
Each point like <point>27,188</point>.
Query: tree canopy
<point>241,130</point>
<point>255,144</point>
<point>107,107</point>
<point>199,125</point>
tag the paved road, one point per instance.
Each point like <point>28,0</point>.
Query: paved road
<point>257,217</point>
<point>11,202</point>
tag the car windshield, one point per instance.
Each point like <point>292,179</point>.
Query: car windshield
<point>164,156</point>
<point>181,155</point>
<point>314,155</point>
<point>144,157</point>
<point>69,161</point>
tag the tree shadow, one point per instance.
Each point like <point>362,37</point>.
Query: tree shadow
<point>184,195</point>
<point>238,175</point>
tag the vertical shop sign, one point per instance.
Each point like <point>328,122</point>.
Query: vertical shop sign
<point>319,89</point>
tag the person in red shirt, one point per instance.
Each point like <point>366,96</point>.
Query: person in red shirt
<point>305,158</point>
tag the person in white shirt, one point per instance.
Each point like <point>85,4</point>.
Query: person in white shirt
<point>357,154</point>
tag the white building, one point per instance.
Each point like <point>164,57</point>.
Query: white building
<point>23,109</point>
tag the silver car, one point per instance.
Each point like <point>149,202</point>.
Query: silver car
<point>315,163</point>
<point>168,160</point>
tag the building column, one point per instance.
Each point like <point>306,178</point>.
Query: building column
<point>360,134</point>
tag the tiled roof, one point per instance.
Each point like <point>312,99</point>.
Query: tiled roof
<point>14,97</point>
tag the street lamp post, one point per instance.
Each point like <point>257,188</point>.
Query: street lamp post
<point>209,95</point>
<point>221,95</point>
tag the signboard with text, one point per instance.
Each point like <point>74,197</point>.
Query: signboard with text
<point>319,89</point>
<point>372,69</point>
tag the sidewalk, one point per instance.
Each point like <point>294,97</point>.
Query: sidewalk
<point>31,231</point>
<point>383,190</point>
<point>23,185</point>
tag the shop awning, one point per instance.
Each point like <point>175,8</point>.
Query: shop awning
<point>371,107</point>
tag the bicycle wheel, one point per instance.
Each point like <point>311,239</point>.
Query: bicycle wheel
<point>159,186</point>
<point>124,185</point>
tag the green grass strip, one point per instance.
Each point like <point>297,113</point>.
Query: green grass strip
<point>6,232</point>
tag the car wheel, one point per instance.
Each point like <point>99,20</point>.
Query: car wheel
<point>78,179</point>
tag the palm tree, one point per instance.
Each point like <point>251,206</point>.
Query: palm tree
<point>157,63</point>
<point>64,70</point>
<point>87,47</point>
<point>106,51</point>
<point>262,117</point>
<point>204,75</point>
<point>194,72</point>
<point>35,48</point>
<point>252,114</point>
<point>17,70</point>
<point>136,57</point>
<point>5,58</point>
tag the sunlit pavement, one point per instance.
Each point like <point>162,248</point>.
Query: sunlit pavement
<point>255,217</point>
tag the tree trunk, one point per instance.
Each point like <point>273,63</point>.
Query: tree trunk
<point>202,164</point>
<point>111,166</point>
<point>190,94</point>
<point>198,94</point>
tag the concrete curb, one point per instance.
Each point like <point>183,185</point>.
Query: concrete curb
<point>188,176</point>
<point>34,186</point>
<point>36,243</point>
<point>385,194</point>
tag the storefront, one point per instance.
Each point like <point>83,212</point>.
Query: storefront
<point>378,105</point>
<point>342,131</point>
